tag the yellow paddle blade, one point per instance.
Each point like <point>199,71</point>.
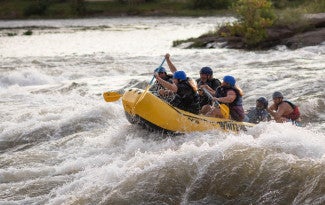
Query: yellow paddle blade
<point>224,111</point>
<point>111,96</point>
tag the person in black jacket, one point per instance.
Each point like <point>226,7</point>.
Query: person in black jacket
<point>231,95</point>
<point>211,84</point>
<point>186,97</point>
<point>206,79</point>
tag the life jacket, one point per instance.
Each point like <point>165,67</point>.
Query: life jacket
<point>222,92</point>
<point>212,83</point>
<point>236,107</point>
<point>295,114</point>
<point>186,97</point>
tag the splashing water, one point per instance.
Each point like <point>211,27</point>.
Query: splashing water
<point>61,143</point>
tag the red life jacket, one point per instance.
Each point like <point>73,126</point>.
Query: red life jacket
<point>295,114</point>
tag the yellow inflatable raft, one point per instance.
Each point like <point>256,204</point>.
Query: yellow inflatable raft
<point>144,108</point>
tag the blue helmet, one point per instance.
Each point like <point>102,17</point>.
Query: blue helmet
<point>263,101</point>
<point>180,75</point>
<point>277,94</point>
<point>161,70</point>
<point>206,70</point>
<point>230,80</point>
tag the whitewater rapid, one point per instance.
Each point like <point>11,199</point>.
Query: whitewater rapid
<point>61,143</point>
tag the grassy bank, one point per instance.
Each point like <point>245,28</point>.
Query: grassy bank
<point>33,9</point>
<point>45,9</point>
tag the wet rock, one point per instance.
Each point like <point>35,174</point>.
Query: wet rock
<point>292,36</point>
<point>311,38</point>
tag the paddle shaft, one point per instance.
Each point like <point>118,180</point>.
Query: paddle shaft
<point>148,86</point>
<point>210,96</point>
<point>153,77</point>
<point>114,96</point>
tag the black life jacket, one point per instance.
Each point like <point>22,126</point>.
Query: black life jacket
<point>186,97</point>
<point>222,92</point>
<point>212,83</point>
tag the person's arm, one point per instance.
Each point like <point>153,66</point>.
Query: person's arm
<point>167,85</point>
<point>210,90</point>
<point>231,96</point>
<point>171,66</point>
<point>276,114</point>
<point>272,108</point>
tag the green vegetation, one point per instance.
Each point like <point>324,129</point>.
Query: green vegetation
<point>28,33</point>
<point>210,4</point>
<point>11,34</point>
<point>294,14</point>
<point>254,16</point>
<point>20,9</point>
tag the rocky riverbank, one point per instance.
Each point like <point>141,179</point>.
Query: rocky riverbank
<point>292,36</point>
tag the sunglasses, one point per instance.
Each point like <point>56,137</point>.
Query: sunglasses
<point>161,72</point>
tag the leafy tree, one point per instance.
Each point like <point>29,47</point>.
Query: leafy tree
<point>254,16</point>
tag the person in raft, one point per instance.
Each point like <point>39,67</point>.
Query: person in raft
<point>230,94</point>
<point>283,110</point>
<point>259,112</point>
<point>206,78</point>
<point>186,97</point>
<point>161,71</point>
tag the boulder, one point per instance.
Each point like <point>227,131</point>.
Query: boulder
<point>293,36</point>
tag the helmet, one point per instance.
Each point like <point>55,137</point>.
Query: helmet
<point>263,101</point>
<point>161,70</point>
<point>230,80</point>
<point>206,70</point>
<point>180,75</point>
<point>277,94</point>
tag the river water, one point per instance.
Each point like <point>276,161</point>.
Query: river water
<point>61,143</point>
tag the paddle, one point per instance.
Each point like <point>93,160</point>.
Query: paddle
<point>111,96</point>
<point>223,108</point>
<point>149,85</point>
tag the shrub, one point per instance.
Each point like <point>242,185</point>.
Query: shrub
<point>291,16</point>
<point>254,16</point>
<point>315,6</point>
<point>28,33</point>
<point>11,34</point>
